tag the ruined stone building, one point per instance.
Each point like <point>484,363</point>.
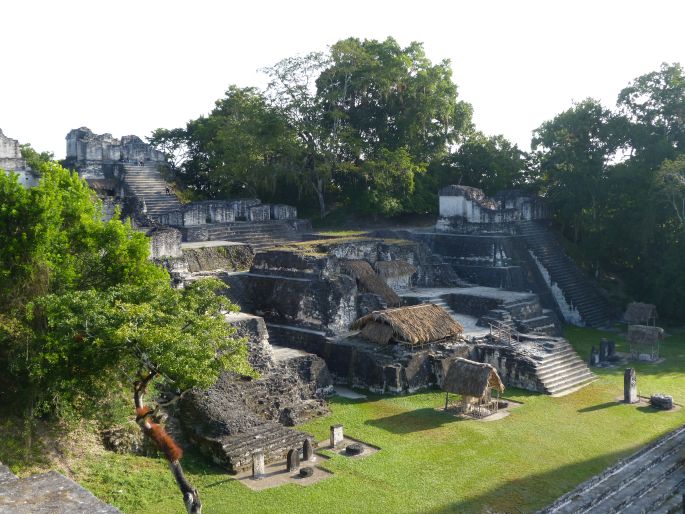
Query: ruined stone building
<point>12,161</point>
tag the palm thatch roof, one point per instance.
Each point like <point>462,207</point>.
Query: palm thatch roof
<point>645,334</point>
<point>640,313</point>
<point>368,281</point>
<point>417,324</point>
<point>470,378</point>
<point>392,269</point>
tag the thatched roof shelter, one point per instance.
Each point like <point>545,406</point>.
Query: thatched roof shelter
<point>638,313</point>
<point>644,334</point>
<point>393,269</point>
<point>416,325</point>
<point>470,378</point>
<point>368,281</point>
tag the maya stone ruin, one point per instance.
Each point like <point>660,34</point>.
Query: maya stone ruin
<point>389,310</point>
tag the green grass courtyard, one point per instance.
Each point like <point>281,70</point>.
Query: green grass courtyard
<point>431,462</point>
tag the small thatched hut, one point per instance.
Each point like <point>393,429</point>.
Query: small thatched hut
<point>414,325</point>
<point>474,381</point>
<point>645,340</point>
<point>397,274</point>
<point>368,281</point>
<point>638,313</point>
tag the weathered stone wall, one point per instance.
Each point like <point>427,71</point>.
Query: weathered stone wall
<point>358,363</point>
<point>259,213</point>
<point>11,160</point>
<point>515,369</point>
<point>283,212</point>
<point>230,257</point>
<point>164,242</point>
<point>461,206</point>
<point>83,146</point>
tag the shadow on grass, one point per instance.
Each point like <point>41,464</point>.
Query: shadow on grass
<point>416,420</point>
<point>600,406</point>
<point>534,492</point>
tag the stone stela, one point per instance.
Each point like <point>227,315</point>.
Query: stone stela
<point>336,435</point>
<point>630,386</point>
<point>258,468</point>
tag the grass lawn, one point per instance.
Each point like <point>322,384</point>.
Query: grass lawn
<point>431,462</point>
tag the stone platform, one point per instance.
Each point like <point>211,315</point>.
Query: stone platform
<point>49,492</point>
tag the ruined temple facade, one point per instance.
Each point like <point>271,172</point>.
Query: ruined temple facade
<point>463,206</point>
<point>11,160</point>
<point>91,153</point>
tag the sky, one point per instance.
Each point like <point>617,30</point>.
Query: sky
<point>128,67</point>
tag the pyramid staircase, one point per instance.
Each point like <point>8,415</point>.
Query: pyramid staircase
<point>147,185</point>
<point>651,480</point>
<point>259,235</point>
<point>560,369</point>
<point>578,290</point>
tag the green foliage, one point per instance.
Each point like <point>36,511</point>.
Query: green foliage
<point>354,126</point>
<point>34,159</point>
<point>82,308</point>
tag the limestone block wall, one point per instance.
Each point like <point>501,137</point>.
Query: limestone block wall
<point>283,212</point>
<point>164,242</point>
<point>259,213</point>
<point>9,148</point>
<point>241,207</point>
<point>462,205</point>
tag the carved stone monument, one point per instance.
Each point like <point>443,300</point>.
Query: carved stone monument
<point>293,459</point>
<point>630,386</point>
<point>258,468</point>
<point>336,435</point>
<point>307,450</point>
<point>603,349</point>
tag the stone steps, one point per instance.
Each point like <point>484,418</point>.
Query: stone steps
<point>146,184</point>
<point>650,480</point>
<point>578,290</point>
<point>272,438</point>
<point>562,370</point>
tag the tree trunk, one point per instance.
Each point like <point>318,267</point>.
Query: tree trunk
<point>318,187</point>
<point>166,445</point>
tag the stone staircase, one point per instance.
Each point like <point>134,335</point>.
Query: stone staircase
<point>146,184</point>
<point>272,438</point>
<point>579,292</point>
<point>651,480</point>
<point>560,369</point>
<point>259,235</point>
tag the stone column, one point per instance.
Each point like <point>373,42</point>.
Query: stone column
<point>336,435</point>
<point>630,386</point>
<point>258,469</point>
<point>307,450</point>
<point>611,348</point>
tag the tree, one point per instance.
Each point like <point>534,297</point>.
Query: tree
<point>34,159</point>
<point>574,152</point>
<point>377,95</point>
<point>655,103</point>
<point>83,310</point>
<point>292,91</point>
<point>670,186</point>
<point>173,143</point>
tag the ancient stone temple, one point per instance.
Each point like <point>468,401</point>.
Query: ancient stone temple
<point>11,160</point>
<point>91,153</point>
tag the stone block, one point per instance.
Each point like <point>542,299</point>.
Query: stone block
<point>283,212</point>
<point>258,469</point>
<point>259,213</point>
<point>337,435</point>
<point>661,401</point>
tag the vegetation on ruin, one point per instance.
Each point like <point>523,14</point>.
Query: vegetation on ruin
<point>429,461</point>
